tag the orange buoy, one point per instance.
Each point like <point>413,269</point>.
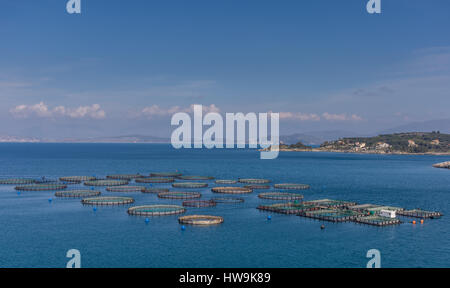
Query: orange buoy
<point>414,222</point>
<point>421,221</point>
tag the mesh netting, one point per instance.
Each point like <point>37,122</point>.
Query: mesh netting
<point>77,193</point>
<point>331,203</point>
<point>76,179</point>
<point>156,210</point>
<point>123,176</point>
<point>291,186</point>
<point>254,181</point>
<point>189,185</point>
<point>199,203</point>
<point>179,195</point>
<point>106,183</point>
<point>41,187</point>
<point>154,180</point>
<point>280,196</point>
<point>107,201</point>
<point>200,220</point>
<point>231,190</point>
<point>154,190</point>
<point>255,187</point>
<point>125,189</point>
<point>418,213</point>
<point>288,208</point>
<point>221,181</point>
<point>16,181</point>
<point>332,215</point>
<point>377,220</point>
<point>228,200</point>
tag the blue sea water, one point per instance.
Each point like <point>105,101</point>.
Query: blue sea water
<point>38,233</point>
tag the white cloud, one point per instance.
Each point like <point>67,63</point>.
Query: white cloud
<point>156,110</point>
<point>42,110</point>
<point>315,117</point>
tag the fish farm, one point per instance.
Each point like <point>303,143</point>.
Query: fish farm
<point>179,195</point>
<point>123,176</point>
<point>125,189</point>
<point>291,186</point>
<point>76,179</point>
<point>222,181</point>
<point>106,182</point>
<point>231,190</point>
<point>200,220</point>
<point>199,203</point>
<point>165,174</point>
<point>154,190</point>
<point>288,208</point>
<point>254,181</point>
<point>228,200</point>
<point>156,210</point>
<point>16,181</point>
<point>256,187</point>
<point>189,185</point>
<point>195,178</point>
<point>41,187</point>
<point>77,193</point>
<point>280,196</point>
<point>154,180</point>
<point>107,201</point>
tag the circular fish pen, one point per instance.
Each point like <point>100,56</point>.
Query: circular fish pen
<point>199,203</point>
<point>76,179</point>
<point>280,196</point>
<point>156,210</point>
<point>77,193</point>
<point>123,176</point>
<point>200,220</point>
<point>189,185</point>
<point>179,195</point>
<point>42,187</point>
<point>154,180</point>
<point>16,181</point>
<point>223,181</point>
<point>288,208</point>
<point>231,190</point>
<point>44,180</point>
<point>154,190</point>
<point>254,181</point>
<point>107,201</point>
<point>165,174</point>
<point>228,200</point>
<point>255,187</point>
<point>195,177</point>
<point>125,189</point>
<point>292,186</point>
<point>106,183</point>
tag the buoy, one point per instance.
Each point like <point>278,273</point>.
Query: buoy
<point>183,227</point>
<point>414,222</point>
<point>147,220</point>
<point>92,188</point>
<point>49,200</point>
<point>269,217</point>
<point>421,221</point>
<point>322,227</point>
<point>18,192</point>
<point>95,208</point>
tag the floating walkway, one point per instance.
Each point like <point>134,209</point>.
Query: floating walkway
<point>77,193</point>
<point>179,195</point>
<point>156,210</point>
<point>231,190</point>
<point>200,220</point>
<point>418,213</point>
<point>291,186</point>
<point>189,185</point>
<point>107,201</point>
<point>280,196</point>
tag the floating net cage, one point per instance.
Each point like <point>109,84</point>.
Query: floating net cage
<point>231,190</point>
<point>200,220</point>
<point>377,220</point>
<point>16,181</point>
<point>364,207</point>
<point>332,215</point>
<point>199,203</point>
<point>124,176</point>
<point>179,195</point>
<point>291,186</point>
<point>77,193</point>
<point>41,187</point>
<point>418,213</point>
<point>331,203</point>
<point>44,180</point>
<point>288,208</point>
<point>76,179</point>
<point>125,189</point>
<point>107,201</point>
<point>256,187</point>
<point>223,181</point>
<point>195,177</point>
<point>228,200</point>
<point>156,210</point>
<point>254,181</point>
<point>377,209</point>
<point>189,185</point>
<point>154,180</point>
<point>280,196</point>
<point>106,183</point>
<point>165,174</point>
<point>154,190</point>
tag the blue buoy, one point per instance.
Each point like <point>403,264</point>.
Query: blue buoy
<point>95,208</point>
<point>147,220</point>
<point>183,227</point>
<point>269,217</point>
<point>18,192</point>
<point>49,200</point>
<point>92,188</point>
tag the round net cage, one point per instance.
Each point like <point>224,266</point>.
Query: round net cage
<point>195,177</point>
<point>254,181</point>
<point>288,208</point>
<point>189,185</point>
<point>44,180</point>
<point>156,210</point>
<point>280,196</point>
<point>76,179</point>
<point>228,200</point>
<point>42,187</point>
<point>107,201</point>
<point>231,190</point>
<point>125,189</point>
<point>199,203</point>
<point>106,183</point>
<point>77,193</point>
<point>292,186</point>
<point>223,181</point>
<point>179,195</point>
<point>255,187</point>
<point>154,190</point>
<point>155,180</point>
<point>165,174</point>
<point>123,176</point>
<point>200,220</point>
<point>16,181</point>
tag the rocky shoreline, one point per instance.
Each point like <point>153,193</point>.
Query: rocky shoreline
<point>362,152</point>
<point>445,165</point>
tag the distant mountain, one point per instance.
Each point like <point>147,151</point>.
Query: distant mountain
<point>317,137</point>
<point>120,139</point>
<point>442,125</point>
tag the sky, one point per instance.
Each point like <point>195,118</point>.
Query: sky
<point>124,67</point>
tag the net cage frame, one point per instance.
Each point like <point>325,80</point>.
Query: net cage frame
<point>419,213</point>
<point>376,220</point>
<point>191,185</point>
<point>41,187</point>
<point>181,195</point>
<point>165,174</point>
<point>288,208</point>
<point>76,179</point>
<point>231,190</point>
<point>168,210</point>
<point>291,186</point>
<point>128,177</point>
<point>257,187</point>
<point>228,200</point>
<point>195,177</point>
<point>106,182</point>
<point>332,215</point>
<point>44,180</point>
<point>77,193</point>
<point>107,201</point>
<point>154,180</point>
<point>280,196</point>
<point>225,181</point>
<point>153,190</point>
<point>125,188</point>
<point>199,203</point>
<point>254,181</point>
<point>330,203</point>
<point>17,181</point>
<point>201,220</point>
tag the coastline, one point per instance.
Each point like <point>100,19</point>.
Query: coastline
<point>360,152</point>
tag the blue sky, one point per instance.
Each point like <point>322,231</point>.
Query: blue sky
<point>123,67</point>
